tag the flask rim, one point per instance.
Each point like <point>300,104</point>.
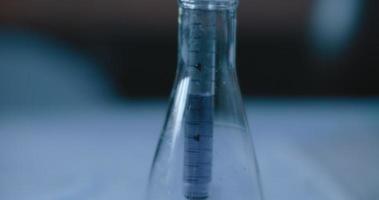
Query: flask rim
<point>209,4</point>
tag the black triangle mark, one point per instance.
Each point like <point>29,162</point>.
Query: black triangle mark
<point>197,137</point>
<point>198,66</point>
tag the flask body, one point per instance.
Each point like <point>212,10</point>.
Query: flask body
<point>205,150</point>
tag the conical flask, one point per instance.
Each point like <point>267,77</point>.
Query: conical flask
<point>205,150</point>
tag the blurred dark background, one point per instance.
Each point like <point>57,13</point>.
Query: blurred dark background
<point>285,48</point>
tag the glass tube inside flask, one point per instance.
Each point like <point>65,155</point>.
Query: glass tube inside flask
<point>200,66</point>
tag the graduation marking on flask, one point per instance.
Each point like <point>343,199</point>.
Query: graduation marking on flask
<point>198,146</point>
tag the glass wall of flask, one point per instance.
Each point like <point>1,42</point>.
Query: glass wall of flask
<point>205,150</point>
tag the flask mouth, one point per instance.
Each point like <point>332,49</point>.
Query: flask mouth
<point>209,4</point>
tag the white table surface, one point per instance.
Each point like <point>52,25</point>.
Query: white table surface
<point>307,149</point>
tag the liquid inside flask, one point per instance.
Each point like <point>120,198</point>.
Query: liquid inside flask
<point>205,150</point>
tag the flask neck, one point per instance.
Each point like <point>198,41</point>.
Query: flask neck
<point>207,41</point>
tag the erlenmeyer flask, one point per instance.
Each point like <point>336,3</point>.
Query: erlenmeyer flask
<point>205,150</point>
